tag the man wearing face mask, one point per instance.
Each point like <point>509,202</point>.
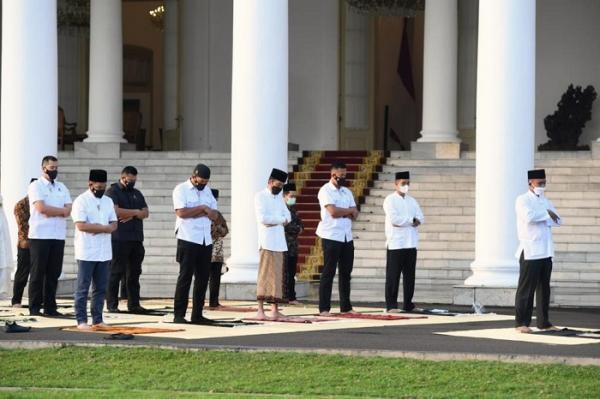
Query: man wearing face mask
<point>195,208</point>
<point>95,220</point>
<point>272,215</point>
<point>338,210</point>
<point>292,230</point>
<point>535,217</point>
<point>49,204</point>
<point>127,241</point>
<point>402,217</point>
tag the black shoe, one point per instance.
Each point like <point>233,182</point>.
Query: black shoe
<point>202,321</point>
<point>52,313</point>
<point>114,310</point>
<point>180,320</point>
<point>34,312</point>
<point>13,327</point>
<point>138,310</point>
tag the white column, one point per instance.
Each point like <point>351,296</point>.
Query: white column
<point>505,134</point>
<point>106,72</point>
<point>440,72</point>
<point>171,64</point>
<point>259,120</point>
<point>195,55</point>
<point>29,96</point>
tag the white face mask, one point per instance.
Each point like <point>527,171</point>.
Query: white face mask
<point>291,201</point>
<point>539,190</point>
<point>404,189</point>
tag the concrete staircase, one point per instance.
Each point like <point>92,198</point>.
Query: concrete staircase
<point>446,191</point>
<point>159,172</point>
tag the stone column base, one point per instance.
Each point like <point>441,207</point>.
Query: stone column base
<point>424,150</point>
<point>101,150</point>
<point>487,296</point>
<point>596,149</point>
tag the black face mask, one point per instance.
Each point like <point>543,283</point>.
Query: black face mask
<point>200,186</point>
<point>52,174</point>
<point>341,181</point>
<point>129,185</point>
<point>276,190</point>
<point>98,193</point>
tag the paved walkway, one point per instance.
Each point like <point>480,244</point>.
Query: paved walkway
<point>466,336</point>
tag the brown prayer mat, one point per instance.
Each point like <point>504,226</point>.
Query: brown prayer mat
<point>375,316</point>
<point>125,330</point>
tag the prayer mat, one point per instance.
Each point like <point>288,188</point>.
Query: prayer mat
<point>368,316</point>
<point>125,330</point>
<point>300,320</point>
<point>570,332</point>
<point>436,312</point>
<point>226,308</point>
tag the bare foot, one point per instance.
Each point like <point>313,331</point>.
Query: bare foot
<point>392,311</point>
<point>17,305</point>
<point>276,316</point>
<point>84,327</point>
<point>100,325</point>
<point>524,329</point>
<point>261,316</point>
<point>351,311</point>
<point>294,303</point>
<point>325,314</point>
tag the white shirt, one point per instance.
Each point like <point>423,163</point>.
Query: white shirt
<point>271,209</point>
<point>196,230</point>
<point>89,209</point>
<point>534,226</point>
<point>330,228</point>
<point>399,214</point>
<point>57,195</point>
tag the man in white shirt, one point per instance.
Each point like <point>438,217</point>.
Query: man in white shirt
<point>535,217</point>
<point>338,210</point>
<point>95,221</point>
<point>402,217</point>
<point>272,215</point>
<point>49,204</point>
<point>195,207</point>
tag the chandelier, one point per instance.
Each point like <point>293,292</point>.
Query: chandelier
<point>403,8</point>
<point>157,17</point>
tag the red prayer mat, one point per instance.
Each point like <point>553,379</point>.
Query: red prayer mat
<point>291,319</point>
<point>233,309</point>
<point>375,316</point>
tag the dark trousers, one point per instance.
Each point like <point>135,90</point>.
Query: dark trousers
<point>22,274</point>
<point>126,263</point>
<point>194,261</point>
<point>336,253</point>
<point>400,261</point>
<point>46,266</point>
<point>215,283</point>
<point>534,278</point>
<point>290,274</point>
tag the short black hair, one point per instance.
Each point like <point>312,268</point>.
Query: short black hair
<point>129,170</point>
<point>338,165</point>
<point>47,159</point>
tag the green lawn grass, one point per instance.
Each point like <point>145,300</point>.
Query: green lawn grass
<point>109,372</point>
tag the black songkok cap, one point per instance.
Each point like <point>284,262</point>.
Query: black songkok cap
<point>289,187</point>
<point>215,193</point>
<point>202,171</point>
<point>402,175</point>
<point>278,175</point>
<point>536,174</point>
<point>98,175</point>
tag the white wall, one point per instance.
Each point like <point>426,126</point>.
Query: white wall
<point>314,37</point>
<point>568,51</point>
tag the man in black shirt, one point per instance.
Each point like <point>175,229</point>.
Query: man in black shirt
<point>127,241</point>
